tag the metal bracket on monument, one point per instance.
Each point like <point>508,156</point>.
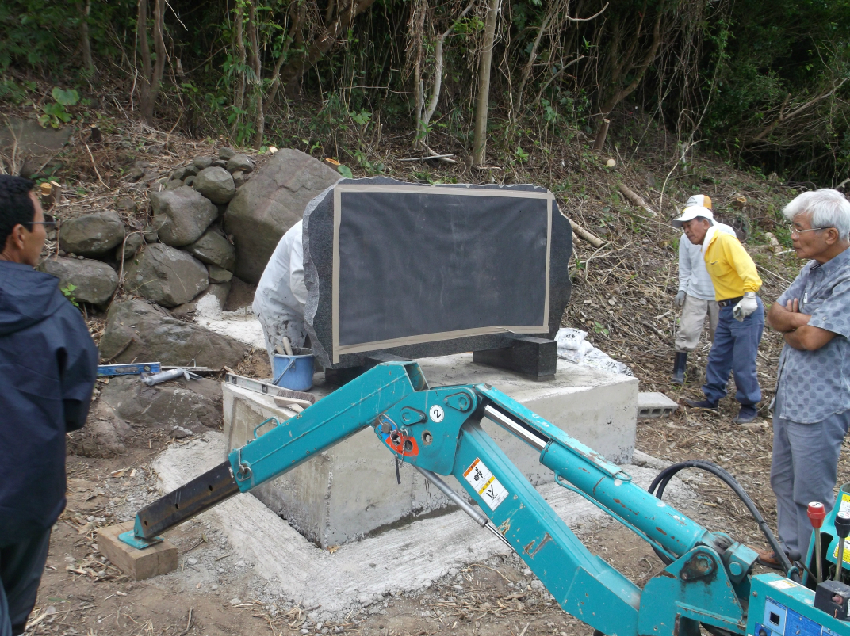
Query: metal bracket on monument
<point>537,357</point>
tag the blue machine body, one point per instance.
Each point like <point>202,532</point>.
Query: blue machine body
<point>709,579</point>
<point>779,607</point>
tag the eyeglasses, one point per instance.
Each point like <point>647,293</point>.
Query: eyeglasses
<point>795,230</point>
<point>48,222</point>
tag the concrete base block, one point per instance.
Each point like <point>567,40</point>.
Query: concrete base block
<point>137,564</point>
<point>350,491</point>
<point>653,404</point>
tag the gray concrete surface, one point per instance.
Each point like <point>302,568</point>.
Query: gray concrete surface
<point>652,405</point>
<point>350,491</point>
<point>336,583</point>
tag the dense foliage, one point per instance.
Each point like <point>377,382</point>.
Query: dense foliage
<point>762,87</point>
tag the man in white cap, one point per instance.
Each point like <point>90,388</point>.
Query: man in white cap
<point>740,321</point>
<point>695,297</point>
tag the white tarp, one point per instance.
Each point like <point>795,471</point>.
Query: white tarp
<point>573,347</point>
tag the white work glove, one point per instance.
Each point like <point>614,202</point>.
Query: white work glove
<point>745,306</point>
<point>680,298</point>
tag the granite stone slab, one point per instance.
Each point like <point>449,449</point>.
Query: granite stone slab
<point>419,271</point>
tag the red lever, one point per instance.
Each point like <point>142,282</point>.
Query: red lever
<point>816,513</point>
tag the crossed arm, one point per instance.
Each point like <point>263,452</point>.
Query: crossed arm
<point>795,327</point>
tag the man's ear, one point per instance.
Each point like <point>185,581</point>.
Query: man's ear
<point>831,236</point>
<point>15,239</point>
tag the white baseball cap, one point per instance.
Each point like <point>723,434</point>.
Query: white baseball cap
<point>692,212</point>
<point>700,199</point>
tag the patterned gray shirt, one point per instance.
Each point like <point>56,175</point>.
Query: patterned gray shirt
<point>813,385</point>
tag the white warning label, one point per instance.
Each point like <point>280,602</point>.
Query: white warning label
<point>485,484</point>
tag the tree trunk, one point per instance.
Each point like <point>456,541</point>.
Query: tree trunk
<point>621,93</point>
<point>418,20</point>
<point>152,76</point>
<point>479,144</point>
<point>145,52</point>
<point>324,41</point>
<point>242,57</point>
<point>85,41</point>
<point>257,82</point>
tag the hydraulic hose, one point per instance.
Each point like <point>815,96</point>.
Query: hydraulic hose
<point>664,477</point>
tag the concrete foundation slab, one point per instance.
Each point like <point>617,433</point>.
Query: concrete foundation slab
<point>350,490</point>
<point>335,583</point>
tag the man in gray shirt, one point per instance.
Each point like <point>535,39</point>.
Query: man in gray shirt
<point>695,296</point>
<point>812,404</point>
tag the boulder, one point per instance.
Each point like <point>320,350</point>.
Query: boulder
<point>218,275</point>
<point>226,153</point>
<point>202,163</point>
<point>239,178</point>
<point>165,275</point>
<point>103,435</point>
<point>216,184</point>
<point>94,282</point>
<point>209,304</point>
<point>132,243</point>
<point>271,203</point>
<point>189,404</point>
<point>138,331</point>
<point>214,249</point>
<point>28,140</point>
<point>240,162</point>
<point>181,215</point>
<point>219,292</point>
<point>126,204</point>
<point>91,234</point>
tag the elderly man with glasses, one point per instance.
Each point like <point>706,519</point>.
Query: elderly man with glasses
<point>811,410</point>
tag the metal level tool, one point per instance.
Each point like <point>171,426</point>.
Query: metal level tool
<point>111,370</point>
<point>267,388</point>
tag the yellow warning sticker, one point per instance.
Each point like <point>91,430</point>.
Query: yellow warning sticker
<point>485,484</point>
<point>844,505</point>
<point>846,556</point>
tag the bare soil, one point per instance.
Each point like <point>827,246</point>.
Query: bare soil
<point>622,295</point>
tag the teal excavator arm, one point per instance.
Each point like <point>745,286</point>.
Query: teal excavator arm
<point>709,580</point>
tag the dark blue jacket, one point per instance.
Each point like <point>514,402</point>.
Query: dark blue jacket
<point>48,365</point>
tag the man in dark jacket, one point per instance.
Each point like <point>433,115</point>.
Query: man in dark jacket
<point>48,365</point>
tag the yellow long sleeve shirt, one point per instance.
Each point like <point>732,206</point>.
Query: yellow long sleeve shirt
<point>732,270</point>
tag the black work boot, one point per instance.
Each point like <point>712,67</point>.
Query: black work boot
<point>706,405</point>
<point>679,367</point>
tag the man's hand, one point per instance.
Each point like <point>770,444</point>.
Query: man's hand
<point>680,298</point>
<point>747,305</point>
<point>788,318</point>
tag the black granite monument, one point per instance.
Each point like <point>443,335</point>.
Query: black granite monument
<point>397,269</point>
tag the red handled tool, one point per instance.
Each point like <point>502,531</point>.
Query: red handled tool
<point>817,513</point>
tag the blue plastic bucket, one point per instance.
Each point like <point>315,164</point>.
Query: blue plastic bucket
<point>294,372</point>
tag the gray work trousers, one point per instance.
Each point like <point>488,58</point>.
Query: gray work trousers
<point>804,469</point>
<point>21,567</point>
<point>692,322</point>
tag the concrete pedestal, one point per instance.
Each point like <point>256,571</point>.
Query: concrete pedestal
<point>350,491</point>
